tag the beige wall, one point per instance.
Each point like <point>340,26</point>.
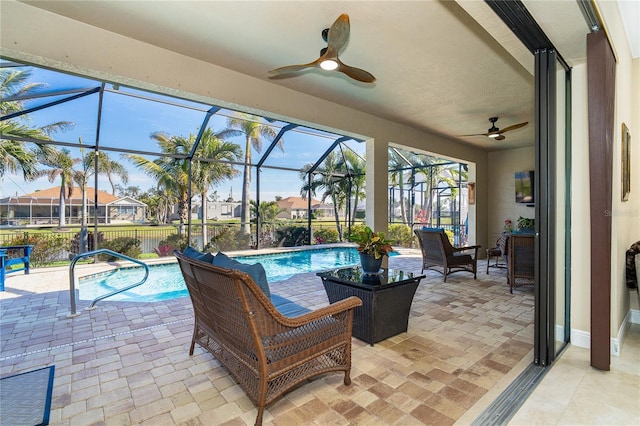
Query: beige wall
<point>501,188</point>
<point>625,215</point>
<point>111,57</point>
<point>580,198</point>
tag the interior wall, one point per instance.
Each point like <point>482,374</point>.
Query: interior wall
<point>86,50</point>
<point>501,188</point>
<point>625,214</point>
<point>580,214</point>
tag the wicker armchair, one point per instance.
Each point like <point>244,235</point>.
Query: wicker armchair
<point>266,352</point>
<point>498,252</point>
<point>520,250</point>
<point>438,252</point>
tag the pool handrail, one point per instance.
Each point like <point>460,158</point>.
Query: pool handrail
<point>72,278</point>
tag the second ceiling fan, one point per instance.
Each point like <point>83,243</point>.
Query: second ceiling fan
<point>495,132</point>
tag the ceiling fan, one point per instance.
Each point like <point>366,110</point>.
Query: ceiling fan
<point>336,38</point>
<point>495,132</point>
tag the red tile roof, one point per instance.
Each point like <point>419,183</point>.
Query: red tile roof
<point>297,203</point>
<point>46,195</point>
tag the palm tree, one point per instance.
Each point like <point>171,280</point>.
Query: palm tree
<point>397,162</point>
<point>110,167</point>
<point>254,131</point>
<point>325,179</point>
<point>16,155</point>
<point>172,174</point>
<point>434,175</point>
<point>60,164</point>
<point>355,179</point>
<point>213,169</point>
<point>107,167</point>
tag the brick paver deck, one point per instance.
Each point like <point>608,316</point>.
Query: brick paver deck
<point>128,363</point>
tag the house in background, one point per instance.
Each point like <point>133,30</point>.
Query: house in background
<point>296,208</point>
<point>216,210</point>
<point>42,208</point>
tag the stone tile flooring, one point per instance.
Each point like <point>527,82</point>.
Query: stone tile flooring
<point>573,393</point>
<point>128,363</point>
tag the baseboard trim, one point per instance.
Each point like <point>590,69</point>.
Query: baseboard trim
<point>582,339</point>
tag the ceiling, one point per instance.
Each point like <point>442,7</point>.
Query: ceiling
<point>437,68</point>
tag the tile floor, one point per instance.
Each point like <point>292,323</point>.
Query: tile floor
<point>574,393</point>
<point>128,363</point>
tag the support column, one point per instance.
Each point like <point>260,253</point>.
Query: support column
<point>377,181</point>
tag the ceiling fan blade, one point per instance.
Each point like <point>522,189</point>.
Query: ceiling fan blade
<point>515,126</point>
<point>338,36</point>
<point>500,137</point>
<point>292,68</point>
<point>476,134</point>
<point>356,73</point>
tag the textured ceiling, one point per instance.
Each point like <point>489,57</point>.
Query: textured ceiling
<point>437,68</point>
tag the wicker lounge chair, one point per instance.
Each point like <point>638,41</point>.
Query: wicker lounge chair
<point>266,352</point>
<point>520,259</point>
<point>437,252</point>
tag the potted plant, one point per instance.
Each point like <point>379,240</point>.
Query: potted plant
<point>372,247</point>
<point>526,225</point>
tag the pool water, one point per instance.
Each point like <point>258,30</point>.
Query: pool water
<point>166,282</point>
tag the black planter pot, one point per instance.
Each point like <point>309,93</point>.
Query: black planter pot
<point>370,265</point>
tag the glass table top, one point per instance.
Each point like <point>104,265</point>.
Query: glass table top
<point>355,276</point>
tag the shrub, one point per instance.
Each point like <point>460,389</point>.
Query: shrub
<point>75,242</point>
<point>356,229</point>
<point>46,247</point>
<point>400,234</point>
<point>449,235</point>
<point>123,245</point>
<point>163,250</point>
<point>227,239</point>
<point>325,235</point>
<point>171,243</point>
<point>291,236</point>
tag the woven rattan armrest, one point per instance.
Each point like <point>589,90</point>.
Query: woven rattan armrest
<point>460,249</point>
<point>466,248</point>
<point>334,308</point>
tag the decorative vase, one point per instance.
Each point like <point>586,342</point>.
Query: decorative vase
<point>370,265</point>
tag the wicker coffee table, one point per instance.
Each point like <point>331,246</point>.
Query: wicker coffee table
<point>386,299</point>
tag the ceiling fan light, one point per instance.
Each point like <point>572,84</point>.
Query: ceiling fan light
<point>493,135</point>
<point>329,64</point>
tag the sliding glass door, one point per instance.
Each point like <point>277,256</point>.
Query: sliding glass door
<point>553,207</point>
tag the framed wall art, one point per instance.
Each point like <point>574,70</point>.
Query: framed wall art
<point>626,162</point>
<point>472,192</point>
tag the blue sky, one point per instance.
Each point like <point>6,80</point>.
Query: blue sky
<point>127,122</point>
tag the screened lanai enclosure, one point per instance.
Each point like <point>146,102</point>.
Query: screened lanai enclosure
<point>88,164</point>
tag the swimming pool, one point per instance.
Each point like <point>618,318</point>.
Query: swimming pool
<point>166,282</point>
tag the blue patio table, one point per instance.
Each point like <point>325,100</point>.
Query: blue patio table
<point>8,258</point>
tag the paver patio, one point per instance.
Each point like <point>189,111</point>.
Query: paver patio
<point>128,363</point>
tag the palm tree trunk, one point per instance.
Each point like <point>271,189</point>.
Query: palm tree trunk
<point>203,196</point>
<point>337,216</point>
<point>84,234</point>
<point>244,215</point>
<point>355,206</point>
<point>61,205</point>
